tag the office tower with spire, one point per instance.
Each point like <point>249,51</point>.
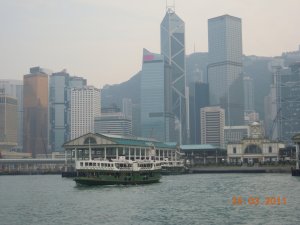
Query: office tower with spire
<point>172,31</point>
<point>225,67</point>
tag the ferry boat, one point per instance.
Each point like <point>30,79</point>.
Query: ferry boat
<point>175,167</point>
<point>296,140</point>
<point>117,171</point>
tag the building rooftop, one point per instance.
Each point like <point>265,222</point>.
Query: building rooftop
<point>138,141</point>
<point>198,147</point>
<point>122,140</point>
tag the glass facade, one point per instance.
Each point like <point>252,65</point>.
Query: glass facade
<point>288,94</point>
<point>35,128</point>
<point>225,67</point>
<point>8,121</point>
<point>14,88</point>
<point>152,95</point>
<point>201,101</point>
<point>248,94</point>
<point>60,91</point>
<point>113,123</point>
<point>172,30</point>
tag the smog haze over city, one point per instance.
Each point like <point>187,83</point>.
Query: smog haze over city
<point>149,112</point>
<point>103,40</point>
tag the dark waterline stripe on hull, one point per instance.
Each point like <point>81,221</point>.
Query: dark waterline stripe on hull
<point>89,181</point>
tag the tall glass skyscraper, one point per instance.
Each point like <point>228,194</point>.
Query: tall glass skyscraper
<point>14,88</point>
<point>287,95</point>
<point>225,68</point>
<point>248,94</point>
<point>59,103</point>
<point>35,128</point>
<point>172,31</point>
<point>156,119</point>
<point>8,120</point>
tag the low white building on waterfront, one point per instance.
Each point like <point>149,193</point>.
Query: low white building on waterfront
<point>254,148</point>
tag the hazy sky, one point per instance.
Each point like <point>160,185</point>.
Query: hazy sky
<point>102,40</point>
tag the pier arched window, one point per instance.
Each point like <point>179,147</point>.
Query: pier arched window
<point>253,149</point>
<point>90,140</point>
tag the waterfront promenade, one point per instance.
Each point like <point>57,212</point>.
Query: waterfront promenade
<point>241,169</point>
<point>31,166</point>
<point>57,166</point>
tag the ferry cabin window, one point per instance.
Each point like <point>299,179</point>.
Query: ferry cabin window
<point>81,163</point>
<point>90,164</point>
<point>94,164</point>
<point>86,164</point>
<point>270,149</point>
<point>98,164</point>
<point>234,150</point>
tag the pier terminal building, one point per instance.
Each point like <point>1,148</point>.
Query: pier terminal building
<point>108,146</point>
<point>254,148</point>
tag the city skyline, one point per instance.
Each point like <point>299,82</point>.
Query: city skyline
<point>76,36</point>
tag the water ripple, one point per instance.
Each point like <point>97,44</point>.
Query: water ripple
<point>186,199</point>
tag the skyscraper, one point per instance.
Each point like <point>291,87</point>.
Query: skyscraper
<point>201,101</point>
<point>287,91</point>
<point>35,128</point>
<point>8,121</point>
<point>127,108</point>
<point>248,94</point>
<point>113,123</point>
<point>85,107</point>
<point>156,119</point>
<point>225,66</point>
<point>14,88</point>
<point>172,31</point>
<point>212,126</point>
<point>59,103</point>
<point>136,120</point>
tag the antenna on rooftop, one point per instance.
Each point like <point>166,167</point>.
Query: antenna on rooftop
<point>170,8</point>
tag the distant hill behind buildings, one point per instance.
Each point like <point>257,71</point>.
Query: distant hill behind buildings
<point>196,71</point>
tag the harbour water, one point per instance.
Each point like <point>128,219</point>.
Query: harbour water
<point>183,199</point>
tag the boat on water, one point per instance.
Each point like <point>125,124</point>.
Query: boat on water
<point>175,167</point>
<point>296,140</point>
<point>117,171</point>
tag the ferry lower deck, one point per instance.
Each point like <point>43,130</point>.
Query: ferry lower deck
<point>102,177</point>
